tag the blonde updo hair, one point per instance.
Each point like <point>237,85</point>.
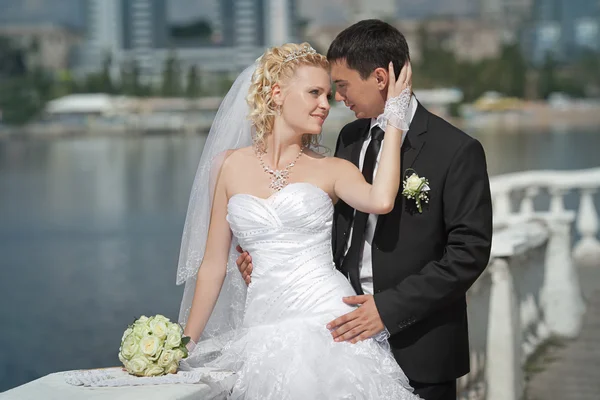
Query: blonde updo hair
<point>273,68</point>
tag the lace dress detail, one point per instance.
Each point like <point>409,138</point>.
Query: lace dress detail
<point>115,377</point>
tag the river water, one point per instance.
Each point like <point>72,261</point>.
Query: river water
<point>90,230</point>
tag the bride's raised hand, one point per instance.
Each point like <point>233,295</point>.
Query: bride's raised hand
<point>396,87</point>
<point>397,112</point>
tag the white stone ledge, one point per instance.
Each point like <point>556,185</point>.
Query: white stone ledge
<point>54,387</point>
<point>518,239</point>
<point>567,180</point>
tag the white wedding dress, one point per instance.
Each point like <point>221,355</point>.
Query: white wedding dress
<point>284,350</point>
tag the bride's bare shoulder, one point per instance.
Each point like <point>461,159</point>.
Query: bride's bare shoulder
<point>321,156</point>
<point>327,162</point>
<point>235,157</point>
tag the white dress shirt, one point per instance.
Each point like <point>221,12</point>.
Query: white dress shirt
<point>366,263</point>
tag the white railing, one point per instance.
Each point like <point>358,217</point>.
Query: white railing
<point>530,290</point>
<point>557,184</point>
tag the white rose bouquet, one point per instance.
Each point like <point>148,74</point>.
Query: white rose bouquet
<point>153,346</point>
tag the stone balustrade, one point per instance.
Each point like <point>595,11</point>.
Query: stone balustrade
<point>530,290</point>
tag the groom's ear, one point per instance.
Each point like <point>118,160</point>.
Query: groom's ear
<point>381,77</point>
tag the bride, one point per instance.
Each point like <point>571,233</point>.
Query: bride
<point>262,184</point>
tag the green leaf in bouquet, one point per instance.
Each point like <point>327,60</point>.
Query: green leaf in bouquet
<point>185,340</point>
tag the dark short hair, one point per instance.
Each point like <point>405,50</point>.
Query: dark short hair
<point>368,45</point>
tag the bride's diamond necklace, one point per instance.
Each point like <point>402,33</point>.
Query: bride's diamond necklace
<point>279,177</point>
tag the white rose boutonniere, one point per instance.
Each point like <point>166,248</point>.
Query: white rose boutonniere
<point>415,187</point>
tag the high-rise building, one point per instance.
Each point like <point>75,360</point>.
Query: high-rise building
<point>281,17</point>
<point>357,10</point>
<point>140,30</point>
<point>55,43</point>
<point>248,29</point>
<point>564,29</point>
<point>506,14</point>
<point>130,29</point>
<point>104,31</point>
<point>144,29</point>
<point>582,26</point>
<point>144,24</point>
<point>427,9</point>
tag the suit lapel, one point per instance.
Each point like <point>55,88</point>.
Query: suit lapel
<point>355,159</point>
<point>415,138</point>
<point>357,146</point>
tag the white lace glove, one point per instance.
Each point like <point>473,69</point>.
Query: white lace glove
<point>397,111</point>
<point>191,346</point>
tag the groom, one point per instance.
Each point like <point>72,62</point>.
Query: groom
<point>411,268</point>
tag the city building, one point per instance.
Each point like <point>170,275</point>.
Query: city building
<point>469,38</point>
<point>142,31</point>
<point>51,45</point>
<point>103,34</point>
<point>357,10</point>
<point>563,29</point>
<point>282,21</point>
<point>144,28</point>
<point>509,15</point>
<point>425,9</point>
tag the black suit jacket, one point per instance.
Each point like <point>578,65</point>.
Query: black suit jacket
<point>423,263</point>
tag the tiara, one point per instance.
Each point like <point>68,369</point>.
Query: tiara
<point>306,50</point>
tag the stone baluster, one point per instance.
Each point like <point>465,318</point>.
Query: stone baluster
<point>502,208</point>
<point>529,318</point>
<point>482,387</point>
<point>527,207</point>
<point>587,250</point>
<point>557,204</point>
<point>560,296</point>
<point>462,386</point>
<point>503,374</point>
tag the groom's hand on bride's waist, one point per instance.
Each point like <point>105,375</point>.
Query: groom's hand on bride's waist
<point>360,324</point>
<point>244,263</point>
